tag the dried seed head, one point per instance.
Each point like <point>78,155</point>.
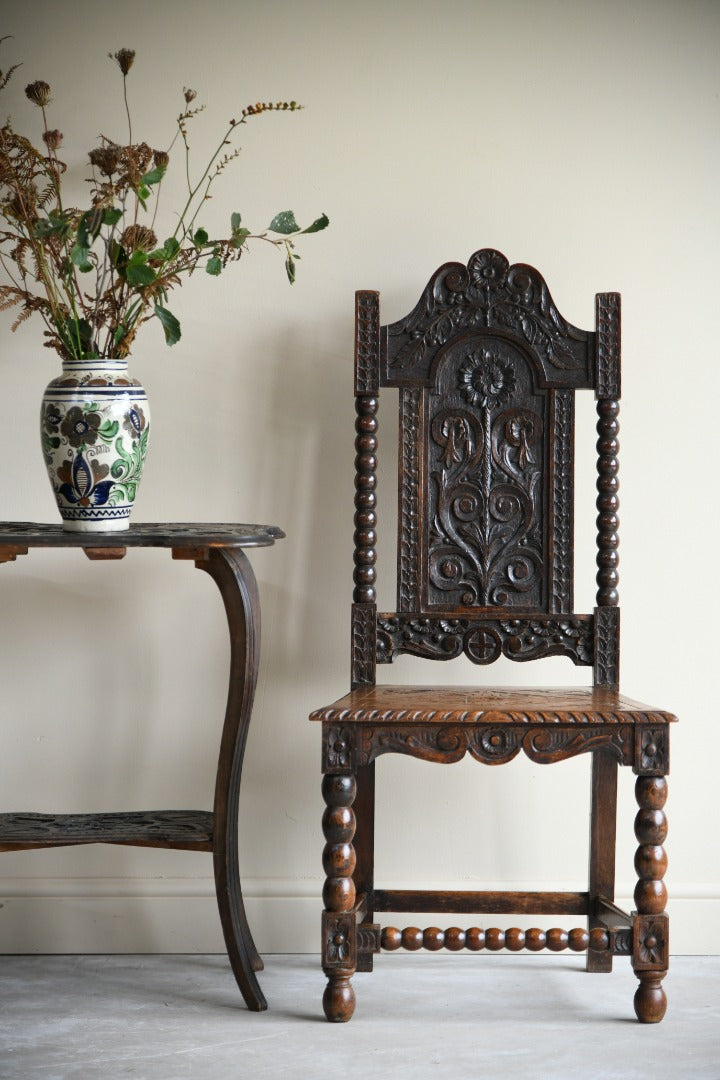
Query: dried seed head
<point>125,58</point>
<point>53,139</point>
<point>161,159</point>
<point>138,238</point>
<point>39,92</point>
<point>105,158</point>
<point>189,95</point>
<point>269,106</point>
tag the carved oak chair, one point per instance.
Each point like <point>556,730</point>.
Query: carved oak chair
<point>487,370</point>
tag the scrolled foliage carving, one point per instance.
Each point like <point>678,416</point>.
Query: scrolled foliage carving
<point>488,293</point>
<point>483,641</point>
<point>487,466</point>
<point>491,744</point>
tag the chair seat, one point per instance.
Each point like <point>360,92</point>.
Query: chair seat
<point>487,705</point>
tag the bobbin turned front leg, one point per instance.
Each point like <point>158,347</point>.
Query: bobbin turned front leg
<point>339,935</point>
<point>650,928</point>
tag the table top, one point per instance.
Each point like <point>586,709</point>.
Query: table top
<point>26,534</point>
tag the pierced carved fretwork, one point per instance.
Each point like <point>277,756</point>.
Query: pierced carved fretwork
<point>483,641</point>
<point>488,294</point>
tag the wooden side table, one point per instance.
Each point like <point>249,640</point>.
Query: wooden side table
<point>218,550</point>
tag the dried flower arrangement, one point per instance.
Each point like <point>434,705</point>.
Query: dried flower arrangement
<point>96,275</point>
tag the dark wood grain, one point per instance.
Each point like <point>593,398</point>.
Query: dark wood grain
<point>487,370</point>
<point>28,534</point>
<point>216,549</point>
<point>181,829</point>
<point>487,705</point>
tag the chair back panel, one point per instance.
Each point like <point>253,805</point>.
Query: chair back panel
<point>486,367</point>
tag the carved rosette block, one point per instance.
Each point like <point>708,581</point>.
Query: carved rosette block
<point>365,537</point>
<point>650,928</point>
<point>338,751</point>
<point>652,750</point>
<point>339,929</point>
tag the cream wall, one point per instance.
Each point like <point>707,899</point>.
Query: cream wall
<point>579,137</point>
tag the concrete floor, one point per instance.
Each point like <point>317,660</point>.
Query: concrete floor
<point>418,1016</point>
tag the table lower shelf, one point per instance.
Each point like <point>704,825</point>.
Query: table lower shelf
<point>183,829</point>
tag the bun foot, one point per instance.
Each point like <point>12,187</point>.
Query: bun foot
<point>650,1001</point>
<point>339,1000</point>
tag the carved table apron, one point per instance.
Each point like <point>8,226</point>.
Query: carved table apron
<point>216,549</point>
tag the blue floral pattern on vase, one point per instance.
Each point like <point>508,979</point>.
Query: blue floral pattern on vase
<point>95,425</point>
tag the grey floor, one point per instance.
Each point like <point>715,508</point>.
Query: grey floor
<point>419,1016</point>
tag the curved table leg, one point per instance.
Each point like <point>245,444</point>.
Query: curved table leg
<point>232,573</point>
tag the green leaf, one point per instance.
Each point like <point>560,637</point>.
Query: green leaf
<point>284,222</point>
<point>138,273</point>
<point>320,223</point>
<point>214,266</point>
<point>239,237</point>
<point>169,324</point>
<point>154,176</point>
<point>109,430</point>
<point>290,268</point>
<point>80,256</point>
<point>200,238</point>
<point>235,220</point>
<point>111,215</point>
<point>55,224</point>
<point>172,246</point>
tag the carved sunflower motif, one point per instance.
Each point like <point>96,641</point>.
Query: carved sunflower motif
<point>486,381</point>
<point>488,267</point>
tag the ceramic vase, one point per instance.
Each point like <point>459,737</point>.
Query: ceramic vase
<point>94,425</point>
